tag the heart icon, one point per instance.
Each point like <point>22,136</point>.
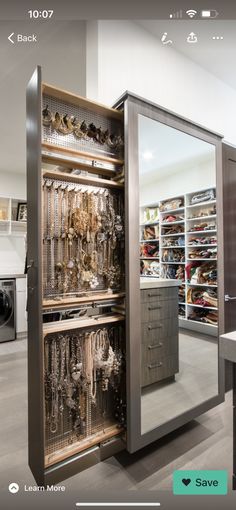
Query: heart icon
<point>186,481</point>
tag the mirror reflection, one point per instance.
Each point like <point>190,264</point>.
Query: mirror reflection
<point>178,272</point>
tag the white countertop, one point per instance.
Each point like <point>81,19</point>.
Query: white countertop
<point>10,276</point>
<point>227,346</point>
<point>155,283</point>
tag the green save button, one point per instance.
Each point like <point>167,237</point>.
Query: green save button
<point>200,482</point>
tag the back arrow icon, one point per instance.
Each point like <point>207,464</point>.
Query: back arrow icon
<point>10,38</point>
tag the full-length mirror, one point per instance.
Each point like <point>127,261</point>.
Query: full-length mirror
<point>178,272</point>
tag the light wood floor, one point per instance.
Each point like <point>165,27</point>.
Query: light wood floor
<point>196,381</point>
<point>202,444</point>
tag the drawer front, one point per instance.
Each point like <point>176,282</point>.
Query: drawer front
<point>154,311</point>
<point>154,331</point>
<point>162,348</point>
<point>159,294</point>
<point>159,369</point>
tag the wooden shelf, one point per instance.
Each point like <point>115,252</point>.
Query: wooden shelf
<point>173,235</point>
<point>149,241</point>
<point>201,204</point>
<point>107,433</point>
<point>201,306</point>
<point>196,232</point>
<point>200,245</point>
<point>201,259</point>
<point>149,258</point>
<point>200,218</point>
<point>56,153</point>
<point>68,324</point>
<point>168,223</point>
<point>73,301</point>
<point>81,179</point>
<point>172,210</point>
<point>150,223</point>
<point>82,102</point>
<point>173,263</point>
<point>202,285</point>
<point>173,247</point>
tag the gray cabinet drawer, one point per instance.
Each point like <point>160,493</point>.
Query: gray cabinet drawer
<point>154,311</point>
<point>163,347</point>
<point>154,331</point>
<point>160,294</point>
<point>159,369</point>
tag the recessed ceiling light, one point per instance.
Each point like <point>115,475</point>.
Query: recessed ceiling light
<point>147,155</point>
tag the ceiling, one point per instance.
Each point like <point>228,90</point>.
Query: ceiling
<point>216,56</point>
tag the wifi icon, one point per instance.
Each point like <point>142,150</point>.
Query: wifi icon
<point>191,13</point>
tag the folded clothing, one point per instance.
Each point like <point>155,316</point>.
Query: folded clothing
<point>150,214</point>
<point>151,233</point>
<point>202,226</point>
<point>201,273</point>
<point>210,253</point>
<point>203,197</point>
<point>175,229</point>
<point>148,268</point>
<point>173,241</point>
<point>201,297</point>
<point>205,316</point>
<point>181,311</point>
<point>204,212</point>
<point>169,205</point>
<point>173,255</point>
<point>149,250</point>
<point>195,241</point>
<point>172,218</point>
<point>172,272</point>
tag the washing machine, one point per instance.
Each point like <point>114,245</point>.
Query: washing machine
<point>7,310</point>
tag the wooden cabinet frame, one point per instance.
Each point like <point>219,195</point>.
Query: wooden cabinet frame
<point>39,153</point>
<point>133,106</point>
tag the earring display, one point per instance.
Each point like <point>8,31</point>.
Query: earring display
<point>83,238</point>
<point>84,377</point>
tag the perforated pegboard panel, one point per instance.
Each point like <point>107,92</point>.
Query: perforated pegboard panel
<point>89,416</point>
<point>68,282</point>
<point>70,141</point>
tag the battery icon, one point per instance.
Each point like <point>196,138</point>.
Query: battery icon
<point>209,13</point>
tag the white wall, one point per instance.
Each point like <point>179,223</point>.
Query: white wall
<point>13,185</point>
<point>130,58</point>
<point>185,180</point>
<point>61,51</point>
<point>12,249</point>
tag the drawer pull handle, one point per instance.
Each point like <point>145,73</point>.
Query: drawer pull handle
<point>154,307</point>
<point>155,346</point>
<point>155,365</point>
<point>153,295</point>
<point>155,327</point>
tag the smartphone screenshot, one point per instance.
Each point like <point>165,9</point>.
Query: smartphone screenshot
<point>117,255</point>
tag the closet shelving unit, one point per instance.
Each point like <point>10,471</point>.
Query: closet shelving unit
<point>168,242</point>
<point>9,226</point>
<point>202,214</point>
<point>172,245</point>
<point>149,271</point>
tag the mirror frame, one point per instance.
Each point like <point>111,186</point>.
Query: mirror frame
<point>134,106</point>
